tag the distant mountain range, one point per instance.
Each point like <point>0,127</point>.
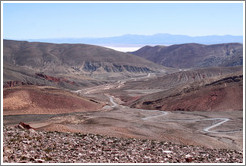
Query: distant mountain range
<point>140,40</point>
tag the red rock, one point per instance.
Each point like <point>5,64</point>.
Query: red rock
<point>24,126</point>
<point>188,158</point>
<point>54,79</point>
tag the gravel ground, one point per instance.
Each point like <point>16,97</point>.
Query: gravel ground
<point>22,146</point>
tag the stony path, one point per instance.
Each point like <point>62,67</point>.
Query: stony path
<point>41,147</point>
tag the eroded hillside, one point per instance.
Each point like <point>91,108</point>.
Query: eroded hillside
<point>194,55</point>
<point>217,95</point>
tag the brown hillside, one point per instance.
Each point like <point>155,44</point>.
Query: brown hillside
<point>184,78</point>
<point>73,58</point>
<point>194,55</point>
<point>223,94</point>
<point>44,100</point>
<point>69,66</point>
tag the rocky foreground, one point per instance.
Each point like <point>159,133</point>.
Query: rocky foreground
<point>22,146</point>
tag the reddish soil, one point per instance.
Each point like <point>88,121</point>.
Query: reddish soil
<point>225,94</point>
<point>44,100</point>
<point>209,99</point>
<point>54,79</point>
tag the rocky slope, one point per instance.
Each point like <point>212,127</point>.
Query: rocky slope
<point>30,146</point>
<point>194,55</point>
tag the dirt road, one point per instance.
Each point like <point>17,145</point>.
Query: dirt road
<point>217,121</point>
<point>213,129</point>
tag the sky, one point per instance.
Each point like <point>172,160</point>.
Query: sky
<point>78,20</point>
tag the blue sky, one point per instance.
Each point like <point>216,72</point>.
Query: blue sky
<point>75,20</point>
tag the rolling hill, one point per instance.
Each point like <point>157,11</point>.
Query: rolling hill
<point>68,64</point>
<point>57,58</point>
<point>45,100</point>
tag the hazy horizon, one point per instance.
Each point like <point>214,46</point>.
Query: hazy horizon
<point>121,36</point>
<point>23,21</point>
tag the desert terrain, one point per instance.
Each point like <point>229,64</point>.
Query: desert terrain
<point>119,95</point>
<point>216,129</point>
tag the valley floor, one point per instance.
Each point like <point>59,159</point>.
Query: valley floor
<point>213,130</point>
<point>118,133</point>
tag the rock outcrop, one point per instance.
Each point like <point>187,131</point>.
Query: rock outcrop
<point>23,125</point>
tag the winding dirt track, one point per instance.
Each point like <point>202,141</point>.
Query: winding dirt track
<point>196,128</point>
<point>216,121</point>
<point>164,113</point>
<point>223,120</point>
